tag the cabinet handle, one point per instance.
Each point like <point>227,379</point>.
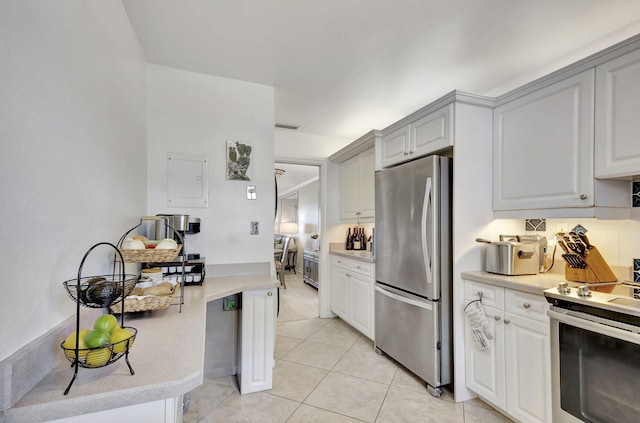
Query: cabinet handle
<point>496,318</point>
<point>358,267</point>
<point>269,294</point>
<point>584,196</point>
<point>348,275</point>
<point>406,153</point>
<point>506,322</point>
<point>526,305</point>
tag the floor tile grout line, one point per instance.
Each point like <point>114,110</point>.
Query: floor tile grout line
<point>386,394</point>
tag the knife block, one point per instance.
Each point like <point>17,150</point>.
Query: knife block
<point>597,270</point>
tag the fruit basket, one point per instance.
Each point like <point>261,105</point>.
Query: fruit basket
<point>135,303</point>
<point>96,292</point>
<point>100,291</point>
<point>150,255</point>
<point>91,358</point>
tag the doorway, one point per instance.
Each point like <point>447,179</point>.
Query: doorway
<point>298,216</point>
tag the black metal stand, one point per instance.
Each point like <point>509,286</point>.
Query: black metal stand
<point>292,256</point>
<point>76,362</point>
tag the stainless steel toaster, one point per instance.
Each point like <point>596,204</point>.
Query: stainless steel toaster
<point>511,258</point>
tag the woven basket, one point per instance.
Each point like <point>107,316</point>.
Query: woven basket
<point>150,255</point>
<point>145,303</point>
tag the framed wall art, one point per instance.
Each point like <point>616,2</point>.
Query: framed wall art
<point>239,166</point>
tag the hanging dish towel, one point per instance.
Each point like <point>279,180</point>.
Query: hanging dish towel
<point>477,321</point>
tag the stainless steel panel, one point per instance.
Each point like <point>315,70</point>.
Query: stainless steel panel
<point>412,226</point>
<point>408,330</point>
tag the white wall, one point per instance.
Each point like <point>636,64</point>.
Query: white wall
<point>196,113</point>
<point>300,145</point>
<point>72,168</point>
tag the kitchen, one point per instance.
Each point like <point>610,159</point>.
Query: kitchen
<point>50,122</point>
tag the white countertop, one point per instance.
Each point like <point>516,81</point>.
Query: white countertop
<point>366,256</point>
<point>534,284</point>
<point>167,357</point>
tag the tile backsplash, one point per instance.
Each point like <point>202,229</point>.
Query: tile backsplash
<point>535,224</point>
<point>617,240</point>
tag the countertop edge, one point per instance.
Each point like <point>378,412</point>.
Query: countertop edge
<point>534,284</point>
<point>73,407</point>
<point>364,256</point>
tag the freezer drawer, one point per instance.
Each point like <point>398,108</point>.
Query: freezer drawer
<point>407,329</point>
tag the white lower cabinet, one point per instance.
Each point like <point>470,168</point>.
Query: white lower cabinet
<point>352,292</point>
<point>257,340</point>
<point>162,411</point>
<point>514,373</point>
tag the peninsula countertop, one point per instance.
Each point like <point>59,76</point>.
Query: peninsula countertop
<point>167,358</point>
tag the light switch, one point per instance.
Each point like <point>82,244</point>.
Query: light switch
<point>251,192</point>
<point>254,228</point>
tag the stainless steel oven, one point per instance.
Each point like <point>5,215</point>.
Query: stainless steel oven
<point>595,354</point>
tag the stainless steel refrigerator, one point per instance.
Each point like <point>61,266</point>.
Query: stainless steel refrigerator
<point>413,268</point>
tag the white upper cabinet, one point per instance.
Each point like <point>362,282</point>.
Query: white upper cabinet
<point>543,155</point>
<point>617,146</point>
<point>418,138</point>
<point>357,189</point>
<point>543,148</point>
<point>357,178</point>
<point>349,187</point>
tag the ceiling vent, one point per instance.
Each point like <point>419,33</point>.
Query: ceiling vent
<point>288,126</point>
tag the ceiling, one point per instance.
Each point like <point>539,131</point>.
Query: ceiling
<point>341,68</point>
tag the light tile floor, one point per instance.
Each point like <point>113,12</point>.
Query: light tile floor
<point>327,372</point>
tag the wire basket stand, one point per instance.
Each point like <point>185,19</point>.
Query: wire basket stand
<point>139,260</point>
<point>105,291</point>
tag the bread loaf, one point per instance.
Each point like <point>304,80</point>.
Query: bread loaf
<point>168,285</point>
<point>137,291</point>
<point>157,290</point>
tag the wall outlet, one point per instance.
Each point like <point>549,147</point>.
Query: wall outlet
<point>562,227</point>
<point>254,228</point>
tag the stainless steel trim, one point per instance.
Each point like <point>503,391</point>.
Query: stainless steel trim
<point>428,192</point>
<point>623,331</point>
<point>405,298</point>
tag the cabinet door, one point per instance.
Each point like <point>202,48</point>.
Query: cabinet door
<point>617,125</point>
<point>528,369</point>
<point>485,369</point>
<point>257,340</point>
<point>432,133</point>
<point>543,148</point>
<point>349,195</point>
<point>366,179</point>
<point>362,304</point>
<point>340,293</point>
<point>395,147</point>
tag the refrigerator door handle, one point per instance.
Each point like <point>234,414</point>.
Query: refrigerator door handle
<point>421,304</point>
<point>426,207</point>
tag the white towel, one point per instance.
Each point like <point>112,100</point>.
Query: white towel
<point>479,325</point>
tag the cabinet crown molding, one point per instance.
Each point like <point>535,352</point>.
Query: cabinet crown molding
<point>363,143</point>
<point>596,59</point>
<point>454,96</point>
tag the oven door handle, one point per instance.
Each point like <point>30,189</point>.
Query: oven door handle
<point>595,324</point>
